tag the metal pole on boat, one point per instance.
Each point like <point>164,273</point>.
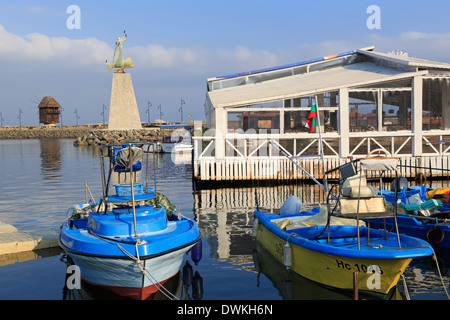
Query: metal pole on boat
<point>132,190</point>
<point>320,144</point>
<point>154,164</point>
<point>102,171</point>
<point>395,208</point>
<point>85,191</point>
<point>355,285</point>
<point>146,166</point>
<point>357,209</point>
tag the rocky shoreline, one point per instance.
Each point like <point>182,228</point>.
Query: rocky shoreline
<point>117,136</point>
<point>82,136</point>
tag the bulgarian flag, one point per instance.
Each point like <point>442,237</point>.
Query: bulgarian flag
<point>311,121</point>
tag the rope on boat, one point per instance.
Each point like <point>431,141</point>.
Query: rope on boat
<point>155,282</point>
<point>166,292</point>
<point>405,287</point>
<point>440,275</point>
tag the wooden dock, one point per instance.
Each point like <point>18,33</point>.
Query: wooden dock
<point>282,169</point>
<point>15,241</point>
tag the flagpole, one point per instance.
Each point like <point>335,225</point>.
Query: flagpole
<point>320,143</point>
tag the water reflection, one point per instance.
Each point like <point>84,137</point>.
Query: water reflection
<point>228,269</point>
<point>12,258</point>
<point>225,218</point>
<point>50,158</point>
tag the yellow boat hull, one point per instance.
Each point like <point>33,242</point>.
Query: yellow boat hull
<point>335,271</point>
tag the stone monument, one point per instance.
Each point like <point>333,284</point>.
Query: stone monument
<point>123,110</point>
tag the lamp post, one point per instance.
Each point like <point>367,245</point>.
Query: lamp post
<point>181,109</point>
<point>20,117</point>
<point>103,114</point>
<point>60,114</point>
<point>160,112</point>
<point>76,117</point>
<point>149,104</point>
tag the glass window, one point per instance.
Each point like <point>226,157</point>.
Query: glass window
<point>363,115</point>
<point>432,104</point>
<point>257,120</point>
<point>295,121</point>
<point>397,110</point>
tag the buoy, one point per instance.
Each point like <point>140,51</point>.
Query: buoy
<point>287,255</point>
<point>187,274</point>
<point>402,183</point>
<point>197,287</point>
<point>292,205</point>
<point>255,227</point>
<point>196,252</point>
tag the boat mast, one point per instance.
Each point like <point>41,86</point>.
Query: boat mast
<point>132,191</point>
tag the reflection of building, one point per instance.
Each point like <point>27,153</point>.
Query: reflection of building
<point>225,215</point>
<point>49,111</point>
<point>50,158</point>
<point>366,100</point>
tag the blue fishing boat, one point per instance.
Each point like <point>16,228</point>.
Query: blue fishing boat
<point>420,214</point>
<point>333,243</point>
<point>130,242</point>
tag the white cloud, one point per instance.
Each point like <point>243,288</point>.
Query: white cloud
<point>36,10</point>
<point>157,56</point>
<point>39,47</point>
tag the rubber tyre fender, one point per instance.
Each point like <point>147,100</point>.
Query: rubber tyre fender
<point>435,235</point>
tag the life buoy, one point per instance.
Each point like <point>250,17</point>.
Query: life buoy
<point>435,235</point>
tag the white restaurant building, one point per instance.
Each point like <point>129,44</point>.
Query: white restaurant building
<point>367,101</point>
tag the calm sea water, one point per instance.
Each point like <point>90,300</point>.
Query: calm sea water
<point>41,179</point>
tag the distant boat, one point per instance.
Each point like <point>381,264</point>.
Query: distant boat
<point>329,246</point>
<point>178,147</point>
<point>131,242</point>
<point>179,142</point>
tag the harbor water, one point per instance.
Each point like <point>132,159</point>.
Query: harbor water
<point>41,179</point>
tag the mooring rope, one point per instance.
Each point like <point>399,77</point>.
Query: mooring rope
<point>152,279</point>
<point>440,275</point>
<point>405,287</point>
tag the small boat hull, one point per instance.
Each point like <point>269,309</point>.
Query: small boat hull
<point>434,229</point>
<point>175,147</point>
<point>437,234</point>
<point>331,270</point>
<point>334,266</point>
<point>125,278</point>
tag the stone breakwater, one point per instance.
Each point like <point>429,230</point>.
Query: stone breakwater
<point>83,135</point>
<point>118,136</point>
<point>43,133</point>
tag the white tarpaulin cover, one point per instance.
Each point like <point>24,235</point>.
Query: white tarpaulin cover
<point>319,219</point>
<point>379,163</point>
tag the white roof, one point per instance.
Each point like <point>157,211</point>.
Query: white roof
<point>404,60</point>
<point>316,82</point>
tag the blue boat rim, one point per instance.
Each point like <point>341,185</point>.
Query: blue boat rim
<point>118,242</point>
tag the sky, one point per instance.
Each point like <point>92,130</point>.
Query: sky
<point>48,50</point>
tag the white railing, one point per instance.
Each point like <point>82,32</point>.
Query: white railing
<point>250,157</point>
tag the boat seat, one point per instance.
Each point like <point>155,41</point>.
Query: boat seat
<point>136,167</point>
<point>359,199</point>
<point>121,159</point>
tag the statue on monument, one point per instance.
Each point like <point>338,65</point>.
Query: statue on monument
<point>120,63</point>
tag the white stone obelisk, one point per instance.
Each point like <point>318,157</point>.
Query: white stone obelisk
<point>123,110</point>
